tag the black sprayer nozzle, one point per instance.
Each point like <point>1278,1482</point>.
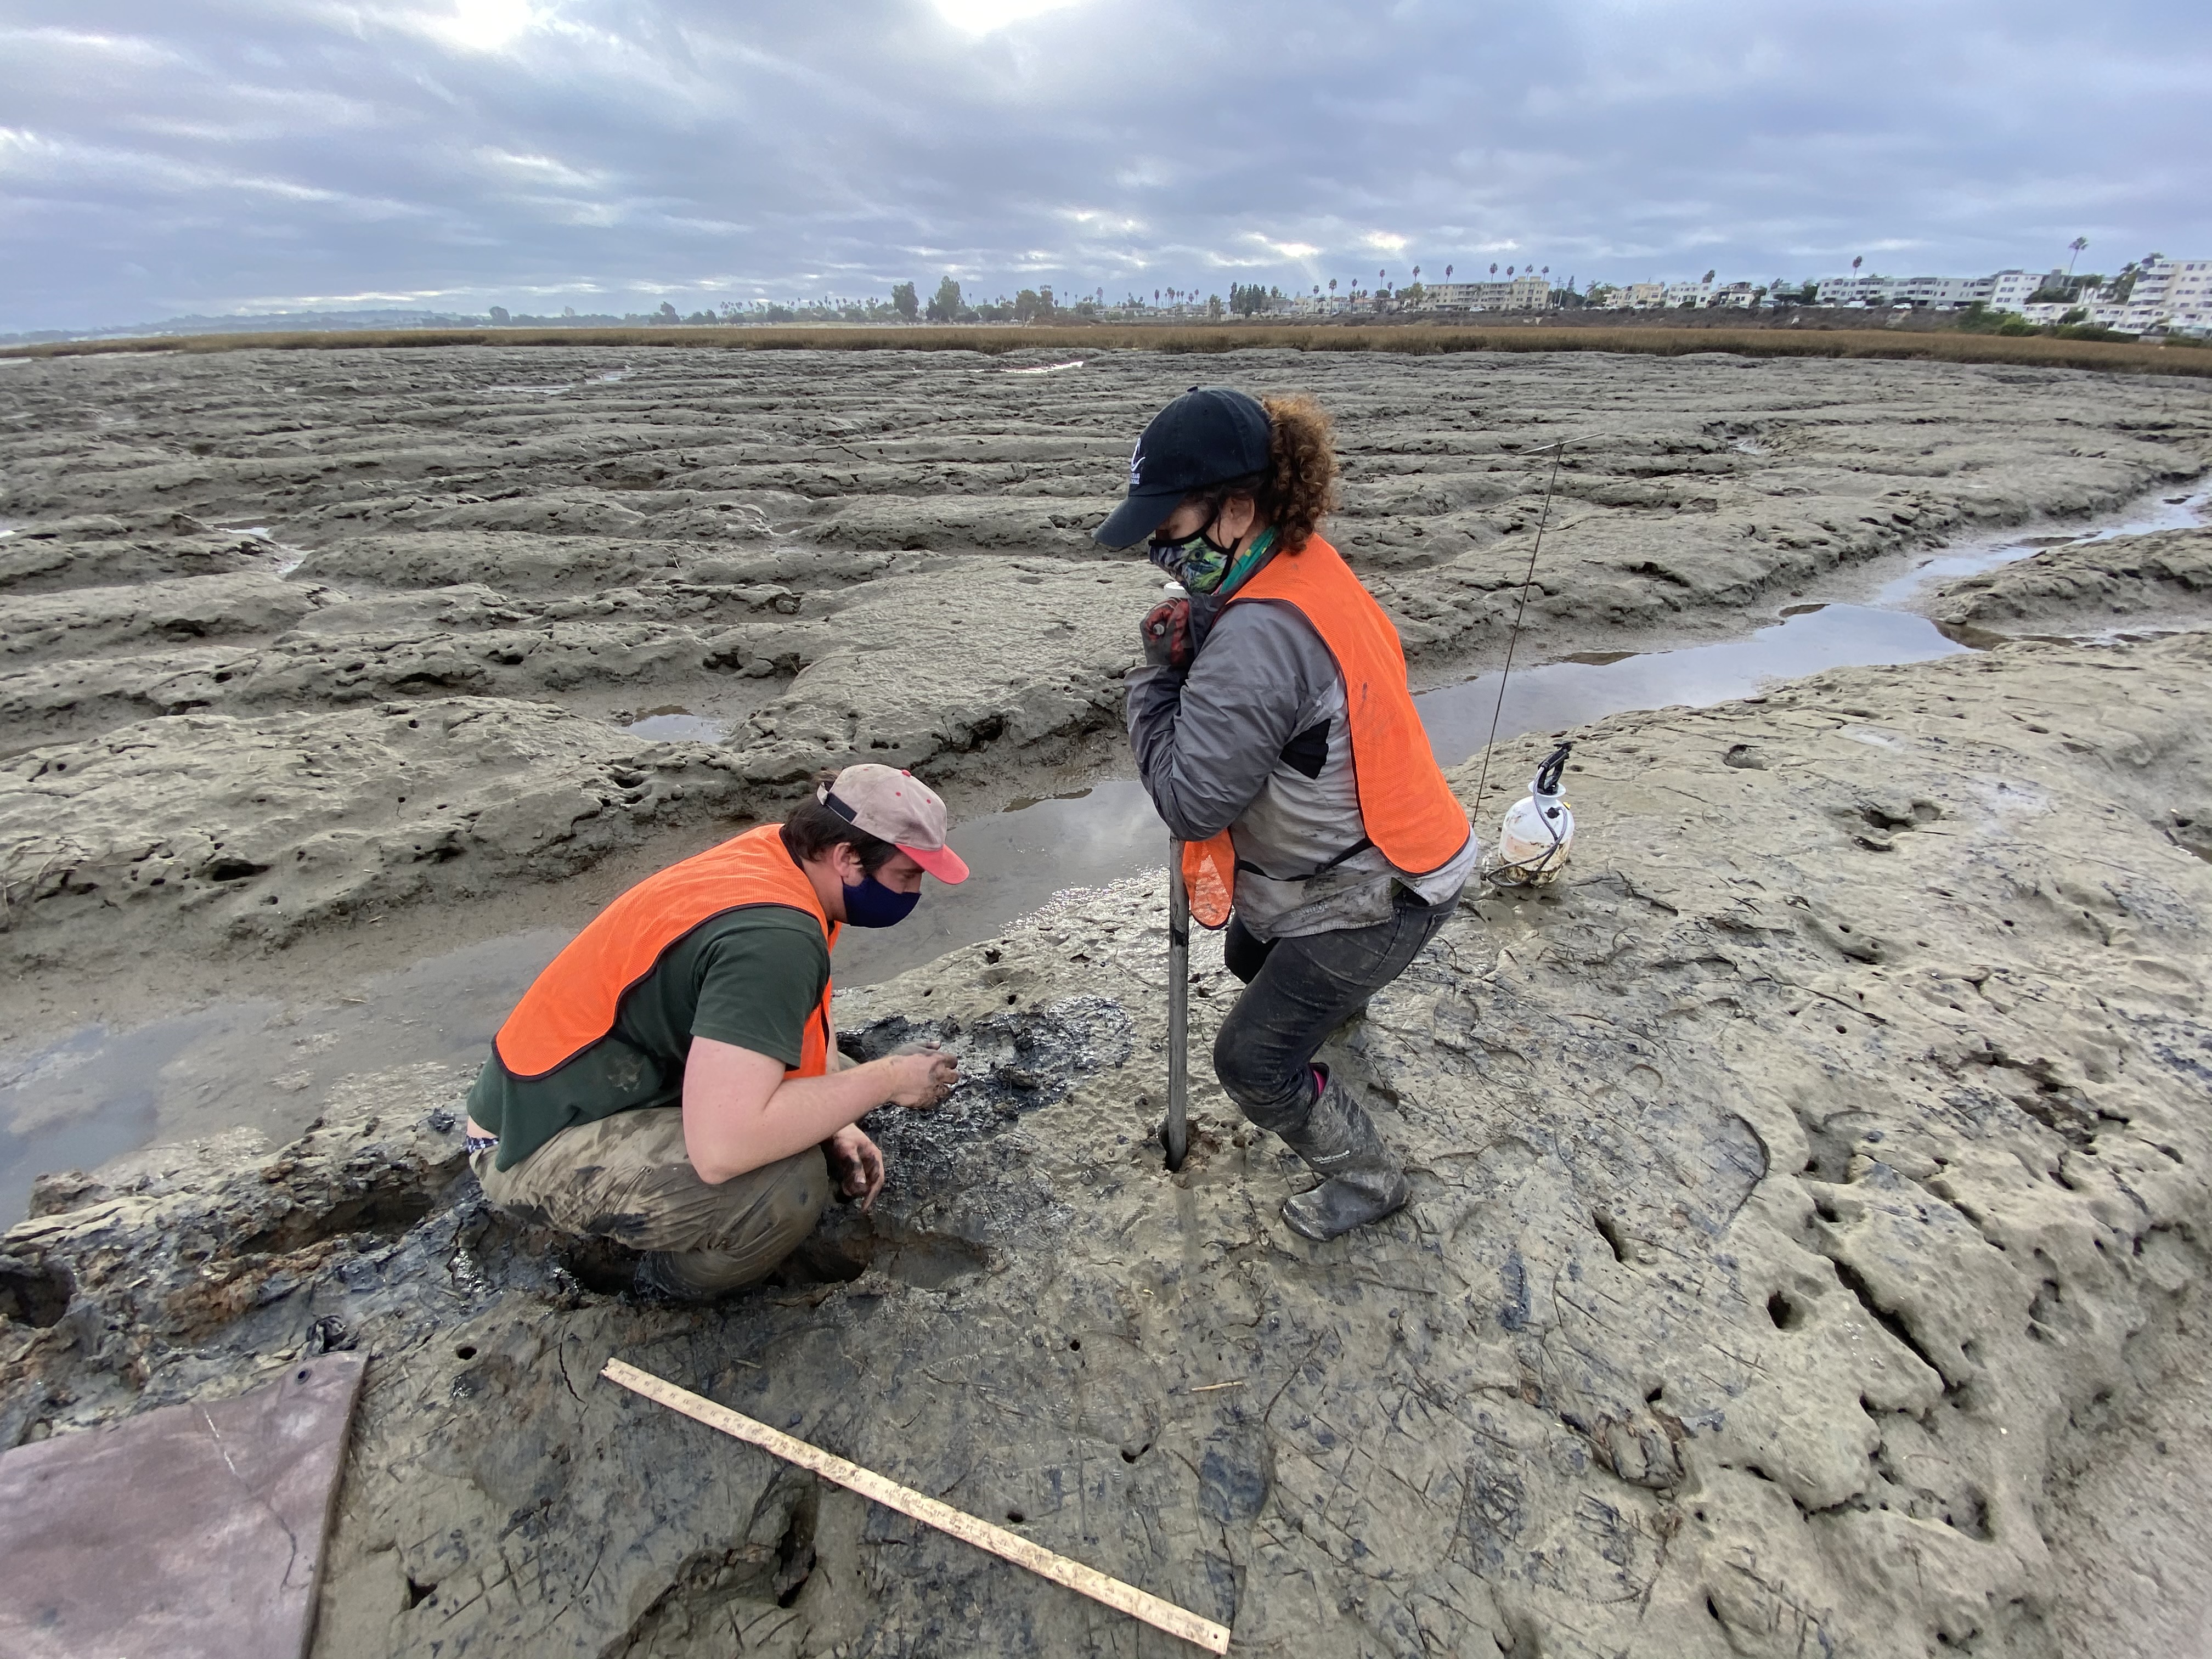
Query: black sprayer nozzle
<point>1554,767</point>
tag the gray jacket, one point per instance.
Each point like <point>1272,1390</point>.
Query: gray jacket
<point>1252,738</point>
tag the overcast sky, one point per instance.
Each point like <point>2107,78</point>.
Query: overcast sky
<point>163,156</point>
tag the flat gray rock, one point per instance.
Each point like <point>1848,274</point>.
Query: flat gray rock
<point>188,1530</point>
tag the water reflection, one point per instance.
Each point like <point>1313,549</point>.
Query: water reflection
<point>82,1099</point>
<point>678,725</point>
<point>95,1093</point>
<point>1558,694</point>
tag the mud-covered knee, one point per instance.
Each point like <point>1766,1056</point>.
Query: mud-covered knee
<point>797,1202</point>
<point>1267,1096</point>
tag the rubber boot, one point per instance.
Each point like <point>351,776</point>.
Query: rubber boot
<point>1362,1182</point>
<point>688,1275</point>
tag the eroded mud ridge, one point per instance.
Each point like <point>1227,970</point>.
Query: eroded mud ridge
<point>2162,580</point>
<point>1810,1198</point>
<point>290,638</point>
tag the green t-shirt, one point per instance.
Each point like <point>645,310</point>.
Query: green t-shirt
<point>751,977</point>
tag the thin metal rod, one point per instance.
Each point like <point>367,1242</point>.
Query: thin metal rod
<point>1543,517</point>
<point>1176,1131</point>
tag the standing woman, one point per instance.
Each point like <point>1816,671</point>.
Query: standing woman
<point>1277,737</point>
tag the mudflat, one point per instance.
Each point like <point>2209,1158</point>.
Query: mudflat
<point>1806,1247</point>
<point>297,640</point>
<point>1804,1256</point>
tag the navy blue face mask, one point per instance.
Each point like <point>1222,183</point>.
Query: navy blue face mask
<point>872,904</point>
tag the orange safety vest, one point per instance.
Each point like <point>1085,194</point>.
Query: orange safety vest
<point>1406,806</point>
<point>574,1002</point>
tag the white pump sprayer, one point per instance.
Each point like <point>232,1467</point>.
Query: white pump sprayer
<point>1539,832</point>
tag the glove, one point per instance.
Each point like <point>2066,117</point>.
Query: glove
<point>1166,632</point>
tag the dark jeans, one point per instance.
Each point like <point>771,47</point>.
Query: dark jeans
<point>1300,990</point>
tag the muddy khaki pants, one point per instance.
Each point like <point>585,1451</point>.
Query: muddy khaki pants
<point>626,1178</point>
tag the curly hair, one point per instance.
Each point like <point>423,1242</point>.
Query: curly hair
<point>1298,489</point>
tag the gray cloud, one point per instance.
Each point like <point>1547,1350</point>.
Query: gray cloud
<point>214,154</point>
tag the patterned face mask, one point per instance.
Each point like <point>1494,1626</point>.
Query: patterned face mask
<point>1197,563</point>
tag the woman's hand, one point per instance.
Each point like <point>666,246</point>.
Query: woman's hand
<point>857,1164</point>
<point>919,1078</point>
<point>1166,631</point>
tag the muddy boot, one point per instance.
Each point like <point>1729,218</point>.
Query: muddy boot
<point>688,1276</point>
<point>1362,1182</point>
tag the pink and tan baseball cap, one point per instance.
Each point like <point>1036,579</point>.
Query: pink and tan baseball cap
<point>898,807</point>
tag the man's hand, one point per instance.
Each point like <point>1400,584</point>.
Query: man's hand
<point>856,1164</point>
<point>1166,632</point>
<point>920,1076</point>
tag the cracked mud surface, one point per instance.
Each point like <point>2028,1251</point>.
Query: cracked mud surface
<point>298,640</point>
<point>1805,1256</point>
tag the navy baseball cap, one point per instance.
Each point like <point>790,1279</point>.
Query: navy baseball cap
<point>1209,435</point>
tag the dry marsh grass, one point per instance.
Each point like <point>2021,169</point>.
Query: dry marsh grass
<point>1418,339</point>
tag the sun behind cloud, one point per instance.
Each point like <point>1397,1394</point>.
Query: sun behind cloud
<point>981,16</point>
<point>487,25</point>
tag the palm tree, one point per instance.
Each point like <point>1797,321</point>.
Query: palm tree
<point>1331,285</point>
<point>1709,277</point>
<point>1493,267</point>
<point>1857,260</point>
<point>2075,248</point>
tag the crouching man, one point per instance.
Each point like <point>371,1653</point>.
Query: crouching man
<point>672,1080</point>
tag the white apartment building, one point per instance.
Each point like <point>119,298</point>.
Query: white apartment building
<point>1687,294</point>
<point>2011,290</point>
<point>1519,293</point>
<point>1741,295</point>
<point>1941,293</point>
<point>1855,290</point>
<point>1641,296</point>
<point>1938,293</point>
<point>2175,294</point>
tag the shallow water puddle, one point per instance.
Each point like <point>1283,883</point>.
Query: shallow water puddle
<point>678,725</point>
<point>287,558</point>
<point>96,1093</point>
<point>2170,513</point>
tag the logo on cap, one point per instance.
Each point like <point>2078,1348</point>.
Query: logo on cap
<point>1136,463</point>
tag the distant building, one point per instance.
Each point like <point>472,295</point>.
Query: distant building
<point>2169,294</point>
<point>1741,295</point>
<point>2011,290</point>
<point>1868,290</point>
<point>1679,294</point>
<point>1518,293</point>
<point>2005,290</point>
<point>1642,296</point>
<point>1941,293</point>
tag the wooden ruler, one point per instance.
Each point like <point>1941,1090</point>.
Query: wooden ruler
<point>1009,1546</point>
